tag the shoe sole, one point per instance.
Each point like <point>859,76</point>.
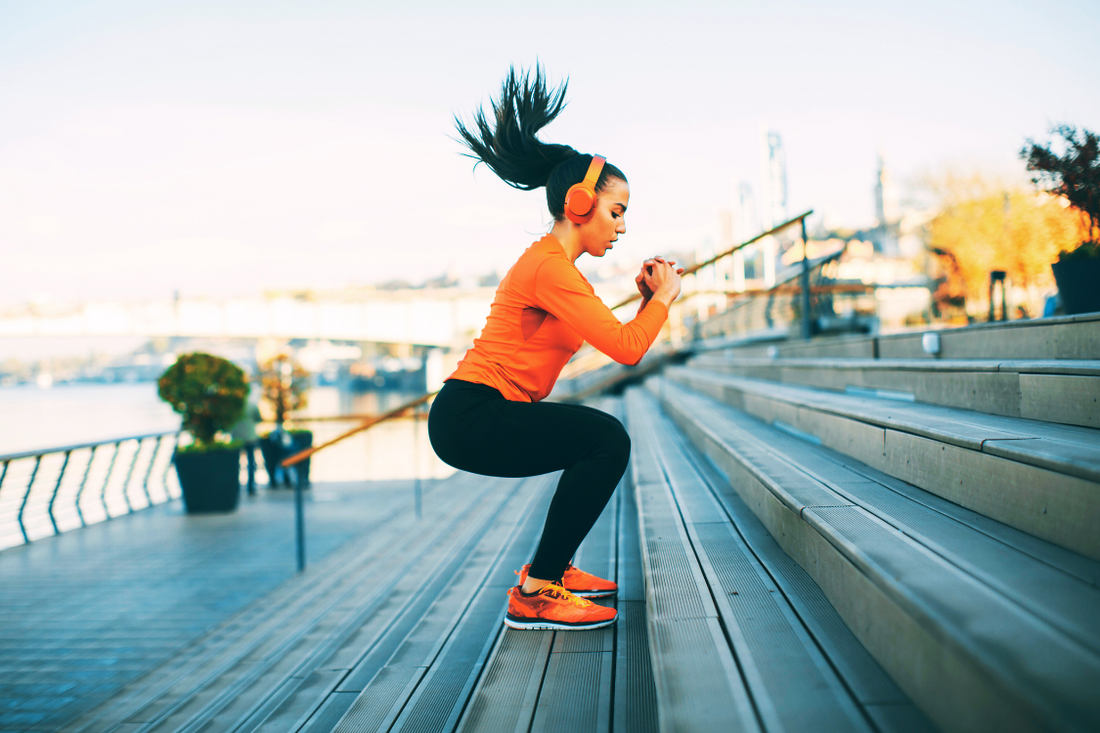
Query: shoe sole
<point>592,593</point>
<point>543,624</point>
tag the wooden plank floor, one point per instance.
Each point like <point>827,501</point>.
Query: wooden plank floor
<point>395,625</point>
<point>86,614</point>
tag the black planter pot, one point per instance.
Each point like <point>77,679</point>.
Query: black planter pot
<point>1078,285</point>
<point>272,453</point>
<point>302,439</point>
<point>210,481</point>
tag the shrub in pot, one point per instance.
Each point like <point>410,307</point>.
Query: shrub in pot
<point>210,394</point>
<point>1077,273</point>
<point>1074,175</point>
<point>284,384</point>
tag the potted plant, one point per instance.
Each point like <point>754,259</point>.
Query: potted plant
<point>284,383</point>
<point>210,394</point>
<point>1074,175</point>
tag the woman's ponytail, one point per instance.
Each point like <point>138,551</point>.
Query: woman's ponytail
<point>510,145</point>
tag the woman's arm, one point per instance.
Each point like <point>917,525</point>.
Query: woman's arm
<point>643,286</point>
<point>561,290</point>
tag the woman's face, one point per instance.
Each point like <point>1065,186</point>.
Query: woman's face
<point>609,221</point>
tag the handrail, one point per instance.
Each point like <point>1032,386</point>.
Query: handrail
<point>302,455</point>
<point>45,499</point>
<point>81,446</point>
<point>648,366</point>
<point>699,266</point>
<point>371,422</point>
<point>350,417</point>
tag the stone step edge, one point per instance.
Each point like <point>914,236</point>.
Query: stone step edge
<point>809,540</point>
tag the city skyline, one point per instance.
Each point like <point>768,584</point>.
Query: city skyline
<point>228,151</point>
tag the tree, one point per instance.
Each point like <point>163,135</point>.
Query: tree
<point>1074,175</point>
<point>284,383</point>
<point>984,226</point>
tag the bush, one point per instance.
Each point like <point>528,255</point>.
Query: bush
<point>209,392</point>
<point>1086,251</point>
<point>1075,176</point>
<point>284,383</point>
<point>984,226</point>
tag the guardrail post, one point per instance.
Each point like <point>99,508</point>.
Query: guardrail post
<point>107,480</point>
<point>56,488</point>
<point>130,475</point>
<point>299,521</point>
<point>416,460</point>
<point>168,468</point>
<point>4,473</point>
<point>80,491</point>
<point>27,496</point>
<point>805,283</point>
<point>149,471</point>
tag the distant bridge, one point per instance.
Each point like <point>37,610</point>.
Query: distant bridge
<point>429,317</point>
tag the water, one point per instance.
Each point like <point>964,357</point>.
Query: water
<point>34,419</point>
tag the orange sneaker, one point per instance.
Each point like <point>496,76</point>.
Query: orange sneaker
<point>553,607</point>
<point>579,583</point>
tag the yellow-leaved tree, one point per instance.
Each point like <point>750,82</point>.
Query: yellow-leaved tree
<point>984,225</point>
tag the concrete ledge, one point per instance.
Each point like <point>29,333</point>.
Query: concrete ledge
<point>1034,482</point>
<point>968,657</point>
<point>1064,337</point>
<point>1060,391</point>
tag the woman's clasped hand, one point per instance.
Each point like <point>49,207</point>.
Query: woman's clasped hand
<point>659,279</point>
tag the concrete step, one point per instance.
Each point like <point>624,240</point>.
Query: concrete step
<point>1057,390</point>
<point>771,618</point>
<point>1062,337</point>
<point>985,628</point>
<point>1041,478</point>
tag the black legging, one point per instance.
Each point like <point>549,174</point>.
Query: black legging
<point>474,428</point>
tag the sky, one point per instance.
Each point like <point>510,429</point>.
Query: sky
<point>227,148</point>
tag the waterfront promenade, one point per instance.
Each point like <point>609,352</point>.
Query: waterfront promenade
<point>85,613</point>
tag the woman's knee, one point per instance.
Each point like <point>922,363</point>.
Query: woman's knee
<point>616,442</point>
<point>622,439</point>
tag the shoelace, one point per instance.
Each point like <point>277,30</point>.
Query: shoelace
<point>559,591</point>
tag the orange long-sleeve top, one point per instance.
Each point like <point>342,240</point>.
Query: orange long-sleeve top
<point>543,311</point>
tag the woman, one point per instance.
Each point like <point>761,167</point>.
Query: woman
<point>488,418</point>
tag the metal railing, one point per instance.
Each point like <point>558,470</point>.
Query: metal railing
<point>416,404</point>
<point>757,316</point>
<point>791,305</point>
<point>369,422</point>
<point>47,492</point>
<point>590,372</point>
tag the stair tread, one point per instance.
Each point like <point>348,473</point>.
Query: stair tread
<point>1066,449</point>
<point>792,684</point>
<point>695,673</point>
<point>958,606</point>
<point>1085,367</point>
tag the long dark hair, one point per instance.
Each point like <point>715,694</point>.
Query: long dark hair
<point>509,145</point>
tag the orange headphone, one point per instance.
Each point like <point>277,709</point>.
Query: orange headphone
<point>580,199</point>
